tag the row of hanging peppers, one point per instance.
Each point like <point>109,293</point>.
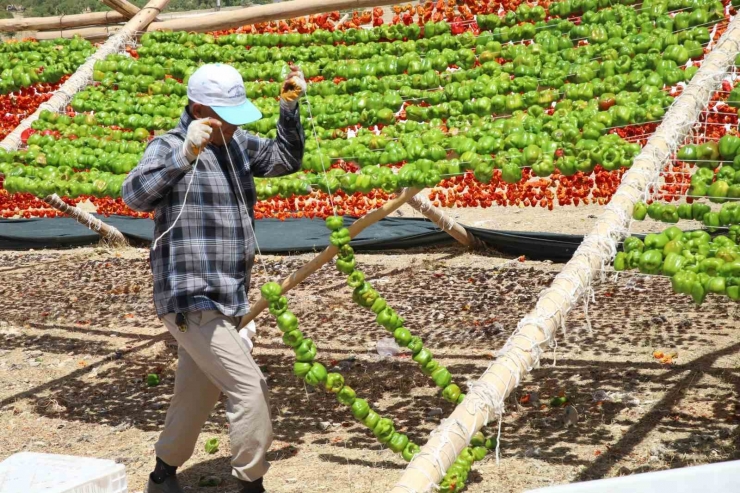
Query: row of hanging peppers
<point>696,263</point>
<point>728,215</point>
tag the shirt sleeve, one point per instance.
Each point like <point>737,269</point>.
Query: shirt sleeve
<point>282,155</point>
<point>160,168</point>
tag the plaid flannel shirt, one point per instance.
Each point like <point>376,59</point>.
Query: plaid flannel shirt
<point>205,262</point>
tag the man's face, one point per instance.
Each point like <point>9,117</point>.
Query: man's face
<point>200,111</point>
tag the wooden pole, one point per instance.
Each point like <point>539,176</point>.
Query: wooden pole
<point>264,13</point>
<point>108,233</point>
<point>126,9</point>
<point>521,352</point>
<point>328,253</point>
<point>89,33</point>
<point>445,222</point>
<point>63,22</point>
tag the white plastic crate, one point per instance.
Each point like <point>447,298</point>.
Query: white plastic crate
<point>29,472</point>
<point>723,477</point>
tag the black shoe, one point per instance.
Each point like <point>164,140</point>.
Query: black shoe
<point>251,486</point>
<point>169,485</point>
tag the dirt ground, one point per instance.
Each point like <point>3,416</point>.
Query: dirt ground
<point>78,336</point>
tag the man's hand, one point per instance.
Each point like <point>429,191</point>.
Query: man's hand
<point>247,333</point>
<point>199,135</point>
<point>293,88</point>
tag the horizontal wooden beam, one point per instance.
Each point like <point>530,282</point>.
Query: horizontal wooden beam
<point>264,13</point>
<point>62,22</point>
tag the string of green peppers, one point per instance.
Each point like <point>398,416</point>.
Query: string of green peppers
<point>367,297</point>
<point>315,374</point>
<point>728,215</point>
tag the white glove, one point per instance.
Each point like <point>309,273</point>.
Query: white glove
<point>293,88</point>
<point>199,134</point>
<point>247,333</point>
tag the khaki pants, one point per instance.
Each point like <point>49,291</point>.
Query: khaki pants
<point>212,358</point>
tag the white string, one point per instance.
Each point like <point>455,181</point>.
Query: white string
<point>184,201</point>
<point>244,204</point>
<point>321,156</point>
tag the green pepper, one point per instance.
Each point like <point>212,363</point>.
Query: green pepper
<point>415,344</point>
<point>718,190</point>
<point>441,377</point>
<point>711,266</point>
<point>335,223</point>
<point>684,211</point>
<point>360,409</point>
<point>279,306</point>
<point>334,382</point>
<point>342,236</point>
<point>398,442</point>
<point>633,244</point>
<point>346,396</point>
<point>410,451</point>
<point>301,369</point>
<point>271,291</point>
<point>384,430</point>
<point>294,338</point>
<point>378,305</point>
<point>423,357</point>
<point>656,241</point>
<point>728,146</point>
<point>306,352</point>
<point>387,318</point>
<point>346,266</point>
<point>698,210</point>
<point>211,446</point>
<point>152,380</point>
<point>640,211</point>
<point>651,262</point>
<point>287,321</point>
<point>672,264</point>
<point>356,279</point>
<point>451,393</point>
<point>402,335</point>
<point>316,375</point>
<point>655,211</point>
<point>669,214</point>
<point>620,262</point>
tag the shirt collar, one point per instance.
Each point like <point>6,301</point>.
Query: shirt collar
<point>185,120</point>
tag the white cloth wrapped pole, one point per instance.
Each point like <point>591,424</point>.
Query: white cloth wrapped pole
<point>521,353</point>
<point>445,222</point>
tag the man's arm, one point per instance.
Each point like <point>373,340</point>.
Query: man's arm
<point>284,154</point>
<point>161,167</point>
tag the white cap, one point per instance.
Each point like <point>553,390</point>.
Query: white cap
<point>221,87</point>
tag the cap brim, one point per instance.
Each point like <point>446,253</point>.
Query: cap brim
<point>238,115</point>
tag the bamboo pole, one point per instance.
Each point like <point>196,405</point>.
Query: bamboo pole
<point>62,22</point>
<point>264,13</point>
<point>89,33</point>
<point>522,351</point>
<point>126,9</point>
<point>328,253</point>
<point>108,232</point>
<point>445,222</point>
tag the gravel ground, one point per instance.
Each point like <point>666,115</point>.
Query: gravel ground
<point>78,336</point>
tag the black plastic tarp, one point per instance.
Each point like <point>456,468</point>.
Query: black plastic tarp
<point>295,235</point>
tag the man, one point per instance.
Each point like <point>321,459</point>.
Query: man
<point>199,181</point>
